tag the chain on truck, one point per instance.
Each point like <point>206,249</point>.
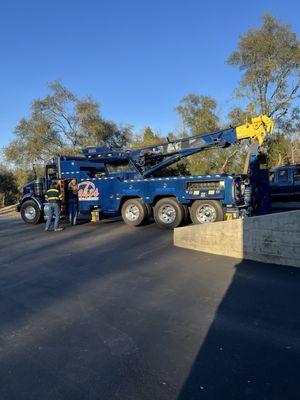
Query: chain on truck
<point>131,183</point>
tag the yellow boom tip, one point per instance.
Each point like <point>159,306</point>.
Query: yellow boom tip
<point>258,129</point>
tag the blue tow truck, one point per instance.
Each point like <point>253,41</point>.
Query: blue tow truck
<point>116,182</point>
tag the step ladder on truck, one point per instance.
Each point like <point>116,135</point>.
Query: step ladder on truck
<point>131,184</point>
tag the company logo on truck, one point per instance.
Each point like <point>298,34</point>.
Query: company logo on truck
<point>87,191</point>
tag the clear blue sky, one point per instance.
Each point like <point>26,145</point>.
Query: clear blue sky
<point>136,57</point>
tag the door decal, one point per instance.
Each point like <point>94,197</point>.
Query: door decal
<point>87,191</point>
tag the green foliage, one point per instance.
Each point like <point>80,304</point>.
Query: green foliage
<point>23,176</point>
<point>181,168</point>
<point>284,145</point>
<point>149,137</point>
<point>278,150</point>
<point>238,116</point>
<point>269,58</point>
<point>198,113</point>
<point>35,141</point>
<point>8,187</point>
<point>60,123</point>
<point>146,138</point>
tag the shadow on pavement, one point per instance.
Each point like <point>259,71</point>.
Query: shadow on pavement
<point>252,348</point>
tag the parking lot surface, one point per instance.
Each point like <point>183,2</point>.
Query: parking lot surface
<point>104,311</point>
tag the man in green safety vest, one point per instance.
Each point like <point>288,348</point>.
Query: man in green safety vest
<point>53,196</point>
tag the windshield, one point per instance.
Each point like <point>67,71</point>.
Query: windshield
<point>51,171</point>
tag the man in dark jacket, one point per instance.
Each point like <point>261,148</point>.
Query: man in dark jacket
<point>73,201</point>
<point>53,196</point>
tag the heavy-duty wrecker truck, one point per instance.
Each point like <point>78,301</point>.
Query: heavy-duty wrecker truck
<point>116,182</point>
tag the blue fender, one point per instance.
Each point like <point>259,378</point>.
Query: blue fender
<point>31,197</point>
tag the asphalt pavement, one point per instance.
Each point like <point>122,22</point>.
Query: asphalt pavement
<point>105,311</point>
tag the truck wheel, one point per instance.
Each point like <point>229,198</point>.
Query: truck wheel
<point>134,212</point>
<point>31,213</point>
<point>149,212</point>
<point>168,213</point>
<point>186,218</point>
<point>206,211</point>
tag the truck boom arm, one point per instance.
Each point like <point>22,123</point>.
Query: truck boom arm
<point>153,158</point>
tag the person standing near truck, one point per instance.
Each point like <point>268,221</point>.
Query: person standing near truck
<point>53,196</point>
<point>73,201</point>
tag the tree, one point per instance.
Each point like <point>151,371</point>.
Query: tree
<point>23,176</point>
<point>146,138</point>
<point>61,123</point>
<point>238,116</point>
<point>35,142</point>
<point>284,146</point>
<point>269,58</point>
<point>238,156</point>
<point>198,113</point>
<point>291,127</point>
<point>8,187</point>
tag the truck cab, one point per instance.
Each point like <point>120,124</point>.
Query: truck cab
<point>284,184</point>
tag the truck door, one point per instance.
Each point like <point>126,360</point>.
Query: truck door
<point>96,189</point>
<point>296,176</point>
<point>89,185</point>
<point>107,196</point>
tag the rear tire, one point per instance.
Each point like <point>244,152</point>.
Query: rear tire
<point>186,218</point>
<point>134,212</point>
<point>31,213</point>
<point>149,212</point>
<point>168,213</point>
<point>206,211</point>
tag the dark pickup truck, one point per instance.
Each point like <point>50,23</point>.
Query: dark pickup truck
<point>285,184</point>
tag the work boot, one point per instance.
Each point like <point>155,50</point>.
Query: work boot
<point>58,229</point>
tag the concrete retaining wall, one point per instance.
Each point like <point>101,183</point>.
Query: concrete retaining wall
<point>273,238</point>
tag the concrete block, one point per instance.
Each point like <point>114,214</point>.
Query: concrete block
<point>272,238</point>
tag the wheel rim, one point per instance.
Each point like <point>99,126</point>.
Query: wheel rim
<point>206,214</point>
<point>132,212</point>
<point>30,213</point>
<point>167,214</point>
